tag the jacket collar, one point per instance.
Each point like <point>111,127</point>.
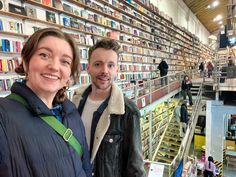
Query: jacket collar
<point>116,103</point>
<point>36,104</point>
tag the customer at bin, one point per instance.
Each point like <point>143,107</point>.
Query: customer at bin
<point>163,67</point>
<point>209,169</point>
<point>183,119</point>
<point>112,121</point>
<point>29,145</point>
<point>186,89</point>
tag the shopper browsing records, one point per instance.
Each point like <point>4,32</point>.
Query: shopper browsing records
<point>112,121</point>
<point>163,67</point>
<point>209,169</point>
<point>186,89</point>
<point>29,144</point>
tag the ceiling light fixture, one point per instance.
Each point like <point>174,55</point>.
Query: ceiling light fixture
<point>217,18</point>
<point>215,3</point>
<point>210,6</point>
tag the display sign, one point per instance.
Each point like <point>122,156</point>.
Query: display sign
<point>156,170</point>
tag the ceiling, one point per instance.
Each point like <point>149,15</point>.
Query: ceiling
<point>206,15</point>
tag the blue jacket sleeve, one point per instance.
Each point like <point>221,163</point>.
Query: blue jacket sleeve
<point>4,153</point>
<point>86,157</point>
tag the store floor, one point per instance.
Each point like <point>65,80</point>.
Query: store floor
<point>229,171</point>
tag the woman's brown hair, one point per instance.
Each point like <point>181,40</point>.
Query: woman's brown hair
<point>31,46</point>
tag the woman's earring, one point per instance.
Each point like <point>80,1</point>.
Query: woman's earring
<point>67,86</point>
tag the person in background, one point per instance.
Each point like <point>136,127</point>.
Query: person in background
<point>201,68</point>
<point>29,146</point>
<point>230,61</point>
<point>186,89</point>
<point>177,113</point>
<point>163,67</point>
<point>223,74</point>
<point>112,121</point>
<point>210,69</point>
<point>209,169</point>
<point>183,118</point>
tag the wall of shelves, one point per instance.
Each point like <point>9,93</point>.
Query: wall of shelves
<point>153,124</point>
<point>180,14</point>
<point>145,35</point>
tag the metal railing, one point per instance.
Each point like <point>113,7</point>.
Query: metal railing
<point>148,91</point>
<point>162,137</point>
<point>224,74</point>
<point>170,168</point>
<point>184,148</point>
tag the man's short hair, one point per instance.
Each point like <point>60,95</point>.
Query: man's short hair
<point>109,44</point>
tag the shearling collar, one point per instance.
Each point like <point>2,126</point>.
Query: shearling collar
<point>116,102</point>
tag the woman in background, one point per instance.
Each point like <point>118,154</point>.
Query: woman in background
<point>186,89</point>
<point>209,167</point>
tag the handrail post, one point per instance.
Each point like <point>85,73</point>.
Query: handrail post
<point>169,170</point>
<point>150,134</point>
<point>168,81</point>
<point>136,93</point>
<point>150,90</point>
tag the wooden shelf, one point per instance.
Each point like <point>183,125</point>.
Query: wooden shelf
<point>14,34</point>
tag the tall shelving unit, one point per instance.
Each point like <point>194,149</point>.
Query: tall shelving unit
<point>9,59</point>
<point>153,124</point>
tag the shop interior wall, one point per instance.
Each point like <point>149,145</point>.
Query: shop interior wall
<point>184,17</point>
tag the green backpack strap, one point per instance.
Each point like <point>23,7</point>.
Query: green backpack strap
<point>66,133</point>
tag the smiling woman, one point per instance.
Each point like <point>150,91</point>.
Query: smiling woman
<point>38,43</point>
<point>48,138</point>
<point>49,66</point>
